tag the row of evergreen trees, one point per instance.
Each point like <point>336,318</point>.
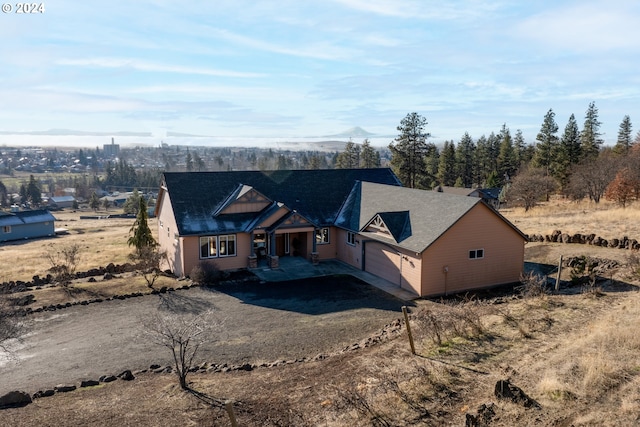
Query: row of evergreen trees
<point>492,161</point>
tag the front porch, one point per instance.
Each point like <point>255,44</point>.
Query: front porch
<point>293,268</point>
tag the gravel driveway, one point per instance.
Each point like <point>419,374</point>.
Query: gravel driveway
<point>262,323</point>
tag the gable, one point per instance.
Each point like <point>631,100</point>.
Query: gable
<point>394,225</point>
<point>246,199</point>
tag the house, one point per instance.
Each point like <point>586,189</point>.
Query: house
<point>26,225</point>
<point>61,201</point>
<point>426,242</point>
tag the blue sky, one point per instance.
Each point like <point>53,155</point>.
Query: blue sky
<point>312,68</point>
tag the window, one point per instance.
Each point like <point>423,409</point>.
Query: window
<point>160,223</point>
<point>322,236</point>
<point>351,238</point>
<point>476,254</point>
<point>218,246</point>
<point>6,229</point>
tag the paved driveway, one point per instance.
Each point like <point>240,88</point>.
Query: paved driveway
<point>263,323</point>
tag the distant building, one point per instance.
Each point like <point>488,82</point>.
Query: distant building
<point>111,150</point>
<point>26,225</point>
<point>61,201</point>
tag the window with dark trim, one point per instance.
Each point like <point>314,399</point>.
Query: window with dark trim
<point>218,246</point>
<point>322,236</point>
<point>6,229</point>
<point>476,254</point>
<point>351,238</point>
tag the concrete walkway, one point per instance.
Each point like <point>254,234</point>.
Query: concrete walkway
<point>292,268</point>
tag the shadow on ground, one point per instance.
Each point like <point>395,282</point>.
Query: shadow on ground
<point>314,296</point>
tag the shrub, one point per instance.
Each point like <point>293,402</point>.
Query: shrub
<point>205,272</point>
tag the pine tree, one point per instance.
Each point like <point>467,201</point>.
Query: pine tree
<point>590,135</point>
<point>350,157</point>
<point>141,238</point>
<point>465,151</point>
<point>519,148</point>
<point>34,191</point>
<point>507,162</point>
<point>447,167</point>
<point>410,149</point>
<point>547,143</point>
<point>189,161</point>
<point>624,137</point>
<point>94,201</point>
<point>369,156</point>
<point>568,153</point>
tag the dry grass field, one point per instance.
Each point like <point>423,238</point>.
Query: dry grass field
<point>575,353</point>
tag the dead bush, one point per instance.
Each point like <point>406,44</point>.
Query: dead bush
<point>64,263</point>
<point>452,319</point>
<point>533,285</point>
<point>205,272</point>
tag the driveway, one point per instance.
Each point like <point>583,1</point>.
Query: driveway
<point>262,323</point>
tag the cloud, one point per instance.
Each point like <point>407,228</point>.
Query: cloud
<point>105,62</point>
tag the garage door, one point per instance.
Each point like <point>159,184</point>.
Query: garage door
<point>382,261</point>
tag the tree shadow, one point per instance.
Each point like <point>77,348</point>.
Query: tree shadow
<point>181,303</point>
<point>205,398</point>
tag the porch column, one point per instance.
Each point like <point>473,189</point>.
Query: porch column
<point>315,257</point>
<point>253,258</point>
<point>272,257</point>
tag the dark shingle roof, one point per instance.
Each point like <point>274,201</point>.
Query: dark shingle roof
<point>316,194</point>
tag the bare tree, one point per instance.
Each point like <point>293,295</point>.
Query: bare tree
<point>529,186</point>
<point>10,327</point>
<point>182,334</point>
<point>592,177</point>
<point>64,262</point>
<point>148,260</point>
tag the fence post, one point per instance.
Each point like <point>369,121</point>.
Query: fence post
<point>559,273</point>
<point>232,416</point>
<point>406,322</point>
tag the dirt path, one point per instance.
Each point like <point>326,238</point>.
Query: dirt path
<point>263,323</point>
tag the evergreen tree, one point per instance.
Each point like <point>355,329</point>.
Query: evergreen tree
<point>94,201</point>
<point>465,151</point>
<point>520,148</point>
<point>507,162</point>
<point>624,137</point>
<point>350,157</point>
<point>483,161</point>
<point>34,191</point>
<point>431,163</point>
<point>369,156</point>
<point>314,162</point>
<point>24,197</point>
<point>132,203</point>
<point>198,163</point>
<point>547,143</point>
<point>189,161</point>
<point>590,135</point>
<point>4,195</point>
<point>141,238</point>
<point>410,149</point>
<point>568,152</point>
<point>447,167</point>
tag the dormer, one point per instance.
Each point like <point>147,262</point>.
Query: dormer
<point>244,199</point>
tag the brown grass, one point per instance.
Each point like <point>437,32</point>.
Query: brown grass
<point>575,355</point>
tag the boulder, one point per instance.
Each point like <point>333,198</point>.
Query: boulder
<point>15,399</point>
<point>126,375</point>
<point>89,383</point>
<point>64,388</point>
<point>44,393</point>
<point>505,390</point>
<point>107,378</point>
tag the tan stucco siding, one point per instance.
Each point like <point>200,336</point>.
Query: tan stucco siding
<point>480,228</point>
<point>328,250</point>
<point>167,228</point>
<point>399,266</point>
<point>191,249</point>
<point>348,253</point>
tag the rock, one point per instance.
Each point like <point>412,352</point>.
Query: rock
<point>154,366</point>
<point>89,383</point>
<point>24,300</point>
<point>505,390</point>
<point>64,388</point>
<point>107,276</point>
<point>126,376</point>
<point>107,378</point>
<point>483,419</point>
<point>92,280</point>
<point>44,393</point>
<point>15,399</point>
<point>111,268</point>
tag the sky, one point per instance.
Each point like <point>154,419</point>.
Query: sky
<point>242,70</point>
